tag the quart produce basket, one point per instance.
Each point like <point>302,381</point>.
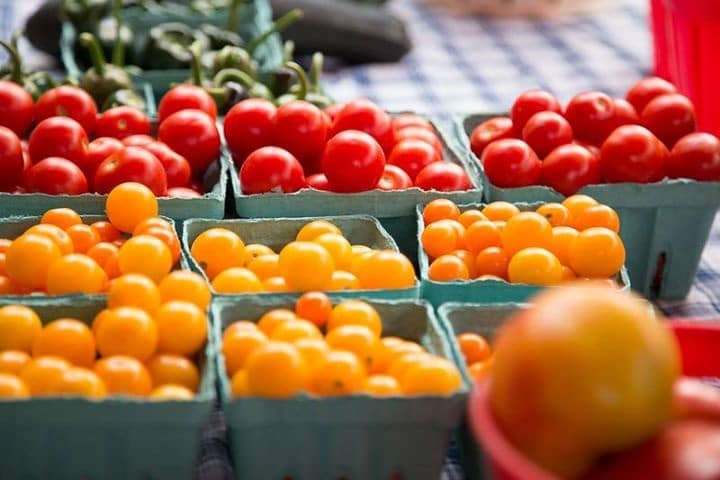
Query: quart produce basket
<point>278,232</point>
<point>255,17</point>
<point>114,438</point>
<point>480,291</point>
<point>394,209</point>
<point>484,320</point>
<point>505,462</point>
<point>210,205</point>
<point>356,437</point>
<point>664,225</point>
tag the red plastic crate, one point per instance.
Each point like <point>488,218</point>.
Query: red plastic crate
<point>686,35</point>
<point>698,346</point>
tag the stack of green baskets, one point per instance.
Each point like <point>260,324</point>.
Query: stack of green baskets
<point>664,225</point>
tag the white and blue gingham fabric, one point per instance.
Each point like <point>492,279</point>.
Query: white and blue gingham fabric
<point>466,64</point>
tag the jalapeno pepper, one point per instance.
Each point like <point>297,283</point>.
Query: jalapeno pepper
<point>122,97</point>
<point>84,14</point>
<point>282,78</point>
<point>168,44</point>
<point>278,26</point>
<point>304,89</point>
<point>220,37</point>
<point>234,57</point>
<point>114,36</point>
<point>315,93</point>
<point>102,79</point>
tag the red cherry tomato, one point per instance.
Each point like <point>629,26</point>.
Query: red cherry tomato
<point>68,101</point>
<point>353,162</point>
<point>632,154</point>
<point>695,156</point>
<point>489,131</point>
<point>528,104</point>
<point>271,169</point>
<point>131,164</point>
<point>182,192</point>
<point>394,178</point>
<point>16,107</point>
<point>594,149</point>
<point>56,176</point>
<point>545,131</point>
<point>411,120</point>
<point>625,113</point>
<point>186,97</point>
<point>59,137</point>
<point>177,168</point>
<point>413,132</point>
<point>121,122</point>
<point>98,150</point>
<point>443,177</point>
<point>192,134</point>
<point>511,163</point>
<point>318,181</point>
<point>412,156</point>
<point>300,129</point>
<point>670,117</point>
<point>333,110</point>
<point>646,89</point>
<point>365,116</point>
<point>137,140</point>
<point>248,126</point>
<point>592,116</point>
<point>569,168</point>
<point>12,163</point>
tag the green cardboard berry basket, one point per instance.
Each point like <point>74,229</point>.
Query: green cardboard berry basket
<point>480,291</point>
<point>355,437</point>
<point>210,205</point>
<point>114,438</point>
<point>255,17</point>
<point>278,232</point>
<point>13,227</point>
<point>664,225</point>
<point>394,209</point>
<point>484,320</point>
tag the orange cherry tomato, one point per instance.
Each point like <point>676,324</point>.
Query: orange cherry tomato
<point>440,209</point>
<point>61,217</point>
<point>66,338</point>
<point>130,203</point>
<point>448,268</point>
<point>315,307</point>
<point>124,375</point>
<point>83,237</point>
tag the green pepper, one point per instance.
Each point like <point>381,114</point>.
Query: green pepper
<point>234,57</point>
<point>220,38</point>
<point>234,15</point>
<point>282,78</point>
<point>125,96</point>
<point>254,88</point>
<point>168,43</point>
<point>304,89</point>
<point>84,14</point>
<point>102,79</point>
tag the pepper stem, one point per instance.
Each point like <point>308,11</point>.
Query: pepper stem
<point>195,65</point>
<point>302,79</point>
<point>89,41</point>
<point>278,26</point>
<point>234,15</point>
<point>118,53</point>
<point>316,71</point>
<point>233,75</point>
<point>288,51</point>
<point>16,74</point>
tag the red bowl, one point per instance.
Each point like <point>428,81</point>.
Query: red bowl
<point>698,346</point>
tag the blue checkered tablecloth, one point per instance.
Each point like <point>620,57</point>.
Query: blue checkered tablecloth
<point>463,64</point>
